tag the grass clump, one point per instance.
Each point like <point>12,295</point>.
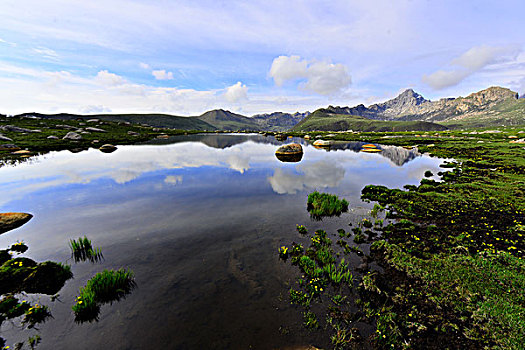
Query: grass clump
<point>325,204</point>
<point>301,229</point>
<point>105,287</point>
<point>82,250</point>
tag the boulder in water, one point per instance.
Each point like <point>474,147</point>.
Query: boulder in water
<point>107,148</point>
<point>292,152</point>
<point>10,221</point>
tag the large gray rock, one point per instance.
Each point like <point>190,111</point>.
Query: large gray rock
<point>72,136</point>
<point>13,128</point>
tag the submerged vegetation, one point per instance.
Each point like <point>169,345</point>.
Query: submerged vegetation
<point>21,276</point>
<point>451,255</point>
<point>324,204</point>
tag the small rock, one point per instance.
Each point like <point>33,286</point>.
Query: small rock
<point>133,133</point>
<point>517,141</point>
<point>162,136</point>
<point>52,137</point>
<point>5,138</point>
<point>107,148</point>
<point>322,143</point>
<point>10,221</point>
<point>94,129</point>
<point>22,151</point>
<point>82,124</point>
<point>72,136</point>
<point>92,120</point>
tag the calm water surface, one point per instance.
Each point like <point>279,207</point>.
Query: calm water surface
<point>199,220</point>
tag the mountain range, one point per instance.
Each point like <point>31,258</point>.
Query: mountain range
<point>408,111</point>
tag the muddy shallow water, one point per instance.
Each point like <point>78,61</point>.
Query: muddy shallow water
<point>199,220</point>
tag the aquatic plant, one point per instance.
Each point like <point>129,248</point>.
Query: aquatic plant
<point>301,229</point>
<point>283,252</point>
<point>105,287</point>
<point>111,285</point>
<point>359,238</point>
<point>366,223</point>
<point>86,308</point>
<point>34,341</point>
<point>325,204</point>
<point>310,320</point>
<point>82,250</point>
<point>36,314</point>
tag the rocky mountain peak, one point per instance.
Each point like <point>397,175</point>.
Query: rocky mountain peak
<point>492,94</point>
<point>410,97</point>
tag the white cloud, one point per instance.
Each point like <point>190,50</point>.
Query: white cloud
<point>46,52</point>
<point>237,92</point>
<point>285,68</point>
<point>443,79</point>
<point>327,78</point>
<point>162,75</point>
<point>322,78</point>
<point>144,65</point>
<point>470,62</point>
<point>109,79</point>
<point>320,174</point>
<point>478,57</point>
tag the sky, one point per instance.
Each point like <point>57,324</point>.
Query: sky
<point>188,57</point>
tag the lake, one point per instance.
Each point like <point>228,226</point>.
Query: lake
<point>199,219</point>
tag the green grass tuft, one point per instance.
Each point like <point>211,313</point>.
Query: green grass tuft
<point>325,204</point>
<point>82,250</point>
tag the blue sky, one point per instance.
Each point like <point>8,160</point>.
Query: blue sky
<point>186,57</point>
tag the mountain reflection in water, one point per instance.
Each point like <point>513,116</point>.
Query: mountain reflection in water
<point>198,218</point>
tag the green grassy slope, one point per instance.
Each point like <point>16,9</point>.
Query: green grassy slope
<point>157,120</point>
<point>321,120</point>
<point>510,112</point>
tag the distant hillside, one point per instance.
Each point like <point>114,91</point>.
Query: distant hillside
<point>492,106</point>
<point>325,120</point>
<point>278,121</point>
<point>226,120</point>
<point>156,120</point>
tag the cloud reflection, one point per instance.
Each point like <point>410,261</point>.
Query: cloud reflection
<point>310,175</point>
